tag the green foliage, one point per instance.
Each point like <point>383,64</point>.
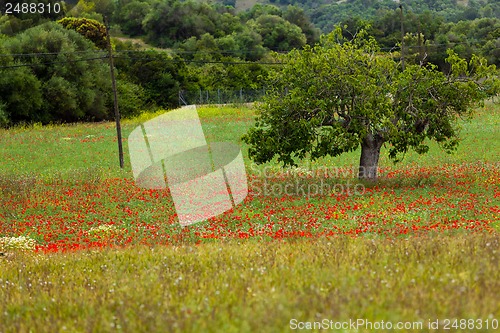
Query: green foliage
<point>56,82</point>
<point>10,25</point>
<point>130,14</point>
<point>17,103</point>
<point>92,9</point>
<point>159,74</point>
<point>131,99</point>
<point>228,76</point>
<point>60,97</point>
<point>480,36</point>
<point>246,45</point>
<point>250,42</point>
<point>4,116</point>
<point>210,35</point>
<point>327,14</point>
<point>17,21</point>
<point>88,28</point>
<point>104,7</point>
<point>171,21</point>
<point>259,10</point>
<point>334,97</point>
<point>297,16</point>
<point>277,33</point>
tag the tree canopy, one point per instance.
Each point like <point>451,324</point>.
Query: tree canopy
<point>214,44</point>
<point>341,95</point>
<point>91,29</point>
<point>36,83</point>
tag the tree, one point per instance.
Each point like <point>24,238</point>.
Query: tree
<point>297,16</point>
<point>336,97</point>
<point>277,33</point>
<point>131,15</point>
<point>17,104</point>
<point>61,80</point>
<point>259,10</point>
<point>91,29</point>
<point>22,19</point>
<point>171,21</point>
<point>250,43</point>
<point>158,73</point>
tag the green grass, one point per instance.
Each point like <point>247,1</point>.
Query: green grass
<point>420,245</point>
<point>34,149</point>
<point>251,287</point>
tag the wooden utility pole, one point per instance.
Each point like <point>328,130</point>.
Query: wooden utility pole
<point>402,39</point>
<point>115,95</point>
<point>420,47</point>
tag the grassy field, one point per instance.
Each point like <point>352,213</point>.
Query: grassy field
<point>100,254</point>
<point>242,286</point>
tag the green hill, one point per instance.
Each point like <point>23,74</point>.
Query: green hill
<point>326,13</point>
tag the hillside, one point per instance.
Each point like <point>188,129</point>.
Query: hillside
<point>326,13</point>
<point>211,45</point>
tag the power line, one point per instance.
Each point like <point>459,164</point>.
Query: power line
<point>204,61</point>
<point>180,51</point>
<point>144,58</point>
<point>395,47</point>
<point>47,53</point>
<point>170,60</point>
<point>50,63</point>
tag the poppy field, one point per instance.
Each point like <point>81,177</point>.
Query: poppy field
<point>66,207</point>
<point>62,188</point>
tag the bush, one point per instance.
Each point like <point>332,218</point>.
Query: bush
<point>91,29</point>
<point>63,80</point>
<point>4,117</point>
<point>131,99</point>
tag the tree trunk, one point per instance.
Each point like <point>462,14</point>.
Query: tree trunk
<point>370,152</point>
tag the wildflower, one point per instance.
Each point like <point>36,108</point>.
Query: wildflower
<point>104,229</point>
<point>17,243</point>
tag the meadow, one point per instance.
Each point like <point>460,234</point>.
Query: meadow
<point>85,250</point>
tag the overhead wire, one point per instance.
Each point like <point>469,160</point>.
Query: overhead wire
<point>170,52</point>
<point>50,63</point>
<point>35,54</point>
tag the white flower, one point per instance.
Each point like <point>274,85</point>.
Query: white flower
<point>19,243</point>
<point>105,229</point>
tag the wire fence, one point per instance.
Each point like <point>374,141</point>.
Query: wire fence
<point>220,96</point>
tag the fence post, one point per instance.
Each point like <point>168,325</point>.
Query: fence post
<point>115,94</point>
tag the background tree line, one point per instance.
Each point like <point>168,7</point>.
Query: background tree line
<point>325,14</point>
<point>53,67</point>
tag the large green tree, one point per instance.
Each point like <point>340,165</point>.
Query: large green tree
<point>93,30</point>
<point>53,74</point>
<point>160,74</point>
<point>297,16</point>
<point>171,21</point>
<point>130,14</point>
<point>277,33</point>
<point>339,96</point>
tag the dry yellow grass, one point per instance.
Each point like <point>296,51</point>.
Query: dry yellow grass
<point>253,286</point>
